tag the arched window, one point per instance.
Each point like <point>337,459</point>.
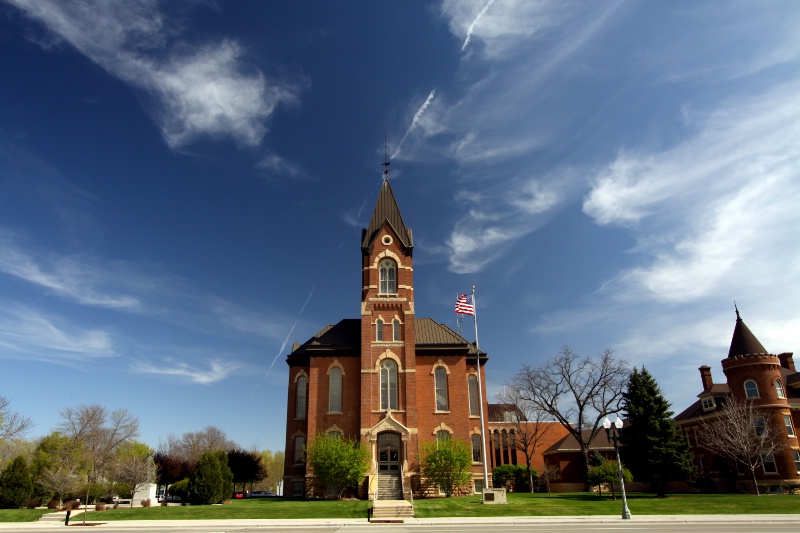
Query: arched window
<point>474,406</point>
<point>442,435</point>
<point>388,384</point>
<point>335,390</point>
<point>388,276</point>
<point>379,330</point>
<point>440,375</point>
<point>476,448</point>
<point>299,450</point>
<point>395,330</point>
<point>300,400</point>
<point>751,389</point>
<point>779,388</point>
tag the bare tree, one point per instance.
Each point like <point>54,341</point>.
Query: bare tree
<point>12,424</point>
<point>528,423</point>
<point>136,470</point>
<point>743,433</point>
<point>550,473</point>
<point>99,432</point>
<point>193,444</point>
<point>59,480</point>
<point>577,391</point>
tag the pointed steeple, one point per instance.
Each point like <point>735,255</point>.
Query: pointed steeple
<point>386,211</point>
<point>743,341</point>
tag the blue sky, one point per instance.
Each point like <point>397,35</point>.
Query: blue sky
<point>183,187</point>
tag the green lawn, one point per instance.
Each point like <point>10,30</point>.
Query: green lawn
<point>563,504</point>
<point>21,515</point>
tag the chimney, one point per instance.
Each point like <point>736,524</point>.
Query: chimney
<point>787,361</point>
<point>705,377</point>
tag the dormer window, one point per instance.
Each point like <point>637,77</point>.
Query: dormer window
<point>708,404</point>
<point>388,277</point>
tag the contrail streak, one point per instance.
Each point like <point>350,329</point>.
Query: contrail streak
<point>286,339</point>
<point>475,23</point>
<point>417,117</point>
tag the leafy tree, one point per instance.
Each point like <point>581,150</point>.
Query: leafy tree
<point>608,472</point>
<point>170,468</point>
<point>11,424</point>
<point>56,465</point>
<point>446,463</point>
<point>577,391</point>
<point>273,464</point>
<point>211,480</point>
<point>652,446</point>
<point>337,461</point>
<point>743,433</point>
<point>246,467</point>
<point>16,486</point>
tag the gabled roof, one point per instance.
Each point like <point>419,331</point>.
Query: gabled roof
<point>743,341</point>
<point>570,443</point>
<point>344,338</point>
<point>386,211</point>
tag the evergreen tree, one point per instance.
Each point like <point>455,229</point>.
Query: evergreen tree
<point>16,485</point>
<point>211,480</point>
<point>652,447</point>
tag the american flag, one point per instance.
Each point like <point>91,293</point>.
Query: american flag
<point>464,305</point>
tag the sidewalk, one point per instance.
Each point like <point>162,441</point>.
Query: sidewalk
<point>762,520</point>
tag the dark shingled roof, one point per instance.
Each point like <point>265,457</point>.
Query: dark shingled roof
<point>743,341</point>
<point>570,443</point>
<point>386,210</point>
<point>497,412</point>
<point>344,338</point>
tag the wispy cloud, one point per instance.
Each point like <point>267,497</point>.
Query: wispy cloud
<point>27,333</point>
<point>203,91</point>
<point>417,117</point>
<point>213,372</point>
<point>68,277</point>
<point>275,163</point>
<point>714,207</point>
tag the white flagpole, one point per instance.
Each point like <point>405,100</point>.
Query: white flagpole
<point>480,391</point>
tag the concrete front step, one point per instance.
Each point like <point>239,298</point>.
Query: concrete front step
<point>392,509</point>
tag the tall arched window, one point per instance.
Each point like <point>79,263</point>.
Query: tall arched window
<point>299,450</point>
<point>474,406</point>
<point>388,276</point>
<point>440,375</point>
<point>476,448</point>
<point>779,388</point>
<point>395,330</point>
<point>751,389</point>
<point>388,384</point>
<point>379,330</point>
<point>335,390</point>
<point>300,398</point>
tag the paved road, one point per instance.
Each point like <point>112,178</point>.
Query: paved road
<point>648,524</point>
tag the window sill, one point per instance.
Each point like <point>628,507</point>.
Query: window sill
<point>442,412</point>
<point>334,412</point>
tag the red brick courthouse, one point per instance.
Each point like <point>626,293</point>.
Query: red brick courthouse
<point>388,378</point>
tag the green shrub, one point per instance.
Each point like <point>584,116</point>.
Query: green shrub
<point>211,480</point>
<point>514,478</point>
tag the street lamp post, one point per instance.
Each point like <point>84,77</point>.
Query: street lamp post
<point>613,436</point>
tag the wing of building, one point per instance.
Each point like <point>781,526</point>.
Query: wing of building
<point>387,378</point>
<point>772,385</point>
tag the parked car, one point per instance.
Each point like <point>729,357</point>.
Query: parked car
<point>261,494</point>
<point>239,495</point>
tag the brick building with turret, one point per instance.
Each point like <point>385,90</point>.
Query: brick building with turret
<point>772,384</point>
<point>389,379</point>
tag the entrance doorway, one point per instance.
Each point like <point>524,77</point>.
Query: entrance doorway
<point>388,452</point>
